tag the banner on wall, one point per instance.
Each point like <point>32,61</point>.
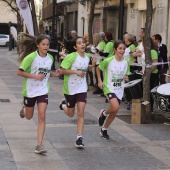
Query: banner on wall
<point>26,14</point>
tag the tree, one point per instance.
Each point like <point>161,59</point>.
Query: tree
<point>147,48</point>
<point>91,18</point>
<point>148,61</point>
<point>15,9</point>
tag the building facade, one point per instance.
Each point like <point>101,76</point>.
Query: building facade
<point>9,17</point>
<point>75,16</point>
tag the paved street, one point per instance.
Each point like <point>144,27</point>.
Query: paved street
<point>131,147</point>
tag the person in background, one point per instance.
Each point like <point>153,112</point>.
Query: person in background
<point>53,45</point>
<point>114,69</point>
<point>74,67</point>
<point>139,51</point>
<point>99,43</point>
<point>162,57</point>
<point>109,48</point>
<point>68,40</point>
<point>36,69</point>
<point>124,34</point>
<point>59,44</point>
<point>47,34</point>
<point>130,47</point>
<point>154,78</point>
<point>89,71</point>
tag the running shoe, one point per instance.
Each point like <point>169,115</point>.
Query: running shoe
<point>79,143</point>
<point>104,134</point>
<point>61,104</point>
<point>21,113</point>
<point>101,118</point>
<point>40,149</point>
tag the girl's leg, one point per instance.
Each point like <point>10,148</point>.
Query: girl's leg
<point>80,114</point>
<point>80,124</point>
<point>69,111</point>
<point>111,112</point>
<point>28,112</point>
<point>41,121</point>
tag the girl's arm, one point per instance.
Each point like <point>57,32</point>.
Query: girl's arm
<point>136,53</point>
<point>93,61</point>
<point>22,73</point>
<point>56,73</point>
<point>100,83</point>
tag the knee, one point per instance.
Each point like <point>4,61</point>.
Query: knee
<point>28,117</point>
<point>115,110</point>
<point>41,119</point>
<point>80,115</point>
<point>71,115</point>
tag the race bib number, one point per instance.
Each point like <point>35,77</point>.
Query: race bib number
<point>116,84</point>
<point>43,71</point>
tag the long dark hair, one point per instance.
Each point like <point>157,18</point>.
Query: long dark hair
<point>27,44</point>
<point>73,43</point>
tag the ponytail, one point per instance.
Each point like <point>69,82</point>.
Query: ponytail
<point>27,44</point>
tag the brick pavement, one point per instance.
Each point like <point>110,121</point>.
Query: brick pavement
<point>131,147</point>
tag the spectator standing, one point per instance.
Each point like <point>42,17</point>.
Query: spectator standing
<point>47,34</point>
<point>99,44</point>
<point>139,51</point>
<point>130,47</point>
<point>68,41</point>
<point>109,48</point>
<point>89,71</point>
<point>162,57</point>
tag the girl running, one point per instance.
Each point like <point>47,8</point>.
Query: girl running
<point>74,68</point>
<point>114,69</point>
<point>35,68</point>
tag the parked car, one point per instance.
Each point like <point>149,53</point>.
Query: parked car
<point>4,40</point>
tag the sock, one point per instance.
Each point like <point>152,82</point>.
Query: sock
<point>24,111</point>
<point>79,136</point>
<point>103,128</point>
<point>63,105</point>
<point>104,113</point>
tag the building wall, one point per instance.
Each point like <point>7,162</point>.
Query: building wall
<point>82,20</point>
<point>6,11</point>
<point>6,16</point>
<point>136,18</point>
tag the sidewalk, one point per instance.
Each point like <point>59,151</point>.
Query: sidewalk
<point>131,147</point>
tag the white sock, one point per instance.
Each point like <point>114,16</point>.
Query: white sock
<point>104,113</point>
<point>103,128</point>
<point>63,105</point>
<point>79,136</point>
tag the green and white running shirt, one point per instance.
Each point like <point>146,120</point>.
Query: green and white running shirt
<point>109,48</point>
<point>35,64</point>
<point>114,72</point>
<point>74,84</point>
